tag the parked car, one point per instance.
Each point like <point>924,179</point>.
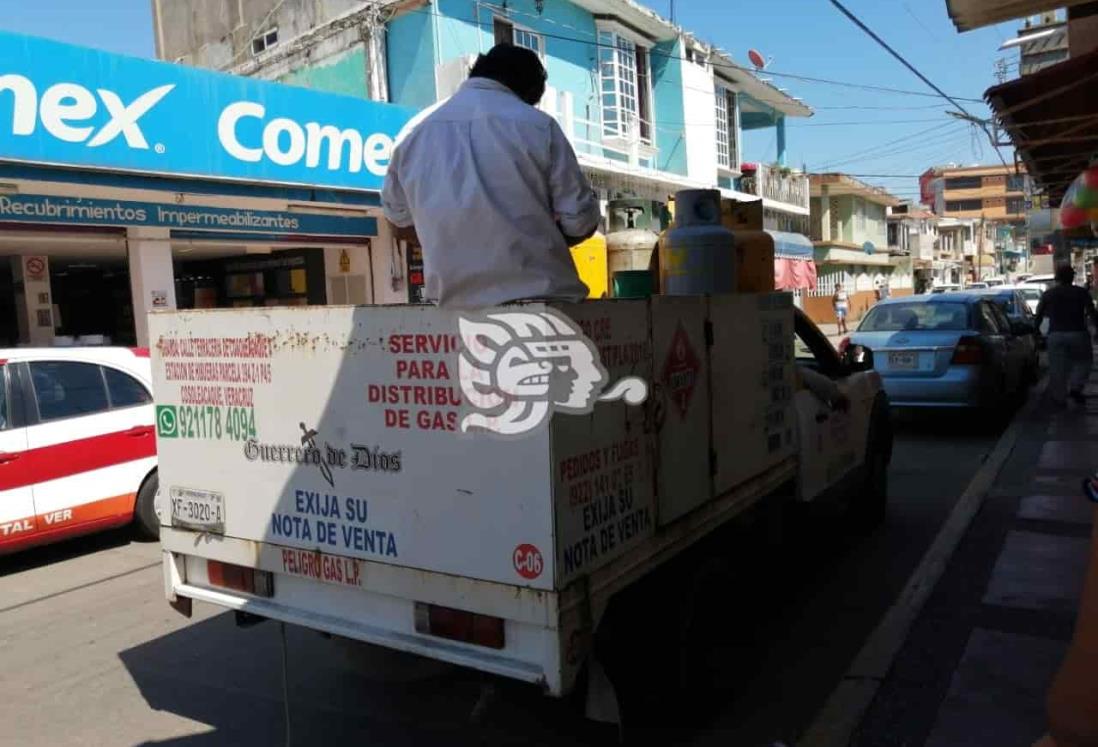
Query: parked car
<point>1044,281</point>
<point>946,350</point>
<point>1014,305</point>
<point>995,282</point>
<point>1031,292</point>
<point>977,285</point>
<point>77,444</point>
<point>945,289</point>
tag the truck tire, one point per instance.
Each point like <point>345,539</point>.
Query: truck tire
<point>145,520</point>
<point>869,504</point>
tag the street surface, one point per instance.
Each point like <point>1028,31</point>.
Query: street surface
<point>93,655</point>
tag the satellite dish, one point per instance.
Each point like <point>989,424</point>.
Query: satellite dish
<point>756,58</point>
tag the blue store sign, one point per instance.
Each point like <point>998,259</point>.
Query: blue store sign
<point>49,209</point>
<point>72,106</point>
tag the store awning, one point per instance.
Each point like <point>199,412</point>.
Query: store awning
<point>973,14</point>
<point>1052,119</point>
<point>791,245</point>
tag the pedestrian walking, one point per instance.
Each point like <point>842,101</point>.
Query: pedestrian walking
<point>840,302</point>
<point>1067,308</point>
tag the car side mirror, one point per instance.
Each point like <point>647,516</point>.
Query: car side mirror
<point>1020,328</point>
<point>857,358</point>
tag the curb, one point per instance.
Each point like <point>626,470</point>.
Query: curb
<point>835,723</point>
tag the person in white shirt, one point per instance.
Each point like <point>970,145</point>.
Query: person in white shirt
<point>490,188</point>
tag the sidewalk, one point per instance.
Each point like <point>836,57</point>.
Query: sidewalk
<point>832,332</point>
<point>978,660</point>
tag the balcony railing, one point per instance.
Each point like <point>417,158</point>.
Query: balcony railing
<point>769,182</point>
<point>588,135</point>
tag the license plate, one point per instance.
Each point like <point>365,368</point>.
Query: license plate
<point>908,361</point>
<point>197,509</point>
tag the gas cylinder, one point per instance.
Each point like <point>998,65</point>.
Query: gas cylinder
<point>590,259</point>
<point>634,232</point>
<point>697,254</point>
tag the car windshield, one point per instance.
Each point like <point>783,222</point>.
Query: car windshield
<point>914,316</point>
<point>1030,294</point>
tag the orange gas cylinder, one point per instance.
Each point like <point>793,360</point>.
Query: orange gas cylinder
<point>1073,697</point>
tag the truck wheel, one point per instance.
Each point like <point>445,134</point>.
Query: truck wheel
<point>868,505</point>
<point>145,520</point>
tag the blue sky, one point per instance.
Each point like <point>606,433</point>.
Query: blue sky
<point>805,37</point>
<point>812,38</point>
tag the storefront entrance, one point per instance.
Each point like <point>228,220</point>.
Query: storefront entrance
<point>288,277</point>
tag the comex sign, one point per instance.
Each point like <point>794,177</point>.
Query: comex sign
<point>64,105</point>
<point>308,142</point>
<point>137,115</point>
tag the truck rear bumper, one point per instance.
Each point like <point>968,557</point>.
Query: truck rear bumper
<point>382,610</point>
<point>438,649</point>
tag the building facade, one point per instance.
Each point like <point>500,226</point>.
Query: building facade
<point>1042,41</point>
<point>849,232</point>
<point>998,199</point>
<point>649,108</point>
<point>164,186</point>
<point>913,233</point>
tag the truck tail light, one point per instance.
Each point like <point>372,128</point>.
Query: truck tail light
<point>239,578</point>
<point>969,352</point>
<point>459,625</point>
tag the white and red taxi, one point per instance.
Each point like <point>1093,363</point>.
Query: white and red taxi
<point>77,444</point>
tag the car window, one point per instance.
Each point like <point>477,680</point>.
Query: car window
<point>1001,318</point>
<point>67,389</point>
<point>125,390</point>
<point>812,349</point>
<point>897,317</point>
<point>1021,306</point>
<point>1004,302</point>
<point>989,324</point>
<point>1030,294</point>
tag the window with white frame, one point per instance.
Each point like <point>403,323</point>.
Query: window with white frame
<point>727,151</point>
<point>624,76</point>
<point>264,41</point>
<point>505,31</point>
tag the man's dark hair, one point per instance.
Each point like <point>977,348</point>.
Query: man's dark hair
<point>518,68</point>
<point>1065,274</point>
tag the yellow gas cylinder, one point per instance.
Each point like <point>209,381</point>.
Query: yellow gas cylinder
<point>590,259</point>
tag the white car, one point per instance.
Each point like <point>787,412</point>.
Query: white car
<point>77,444</point>
<point>1031,292</point>
<point>1044,281</point>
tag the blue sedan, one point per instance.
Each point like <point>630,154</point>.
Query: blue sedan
<point>947,350</point>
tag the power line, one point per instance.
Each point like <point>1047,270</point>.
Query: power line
<point>864,122</point>
<point>882,108</point>
<point>903,61</point>
<point>907,138</point>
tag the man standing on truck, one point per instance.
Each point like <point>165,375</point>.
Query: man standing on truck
<point>490,188</point>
